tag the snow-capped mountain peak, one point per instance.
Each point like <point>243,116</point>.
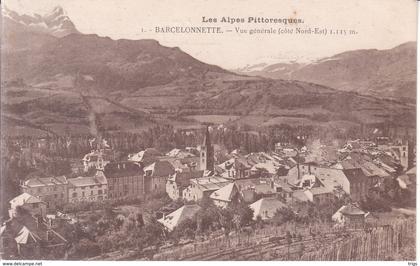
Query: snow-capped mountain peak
<point>55,13</point>
<point>55,23</point>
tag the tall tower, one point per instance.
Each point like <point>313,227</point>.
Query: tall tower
<point>207,153</point>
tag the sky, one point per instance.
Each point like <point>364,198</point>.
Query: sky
<point>380,24</point>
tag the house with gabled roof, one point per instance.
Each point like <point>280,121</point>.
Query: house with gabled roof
<point>266,208</point>
<point>225,196</point>
<point>172,220</point>
<point>29,203</point>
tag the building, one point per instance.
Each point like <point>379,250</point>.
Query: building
<point>250,188</point>
<point>207,153</point>
<point>266,208</point>
<point>173,219</point>
<point>226,196</point>
<point>400,152</point>
<point>51,190</point>
<point>227,169</point>
<point>320,195</point>
<point>242,168</point>
<point>283,189</point>
<point>373,172</point>
<point>203,187</point>
<point>146,157</point>
<point>87,188</point>
<point>181,164</point>
<point>26,202</point>
<point>358,184</point>
<point>30,237</point>
<point>178,181</point>
<point>181,154</point>
<point>125,180</point>
<point>352,181</point>
<point>155,177</point>
<point>97,159</point>
<point>350,215</point>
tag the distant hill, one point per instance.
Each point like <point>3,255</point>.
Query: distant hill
<point>384,73</point>
<point>110,64</point>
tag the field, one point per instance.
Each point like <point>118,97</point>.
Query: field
<point>215,119</point>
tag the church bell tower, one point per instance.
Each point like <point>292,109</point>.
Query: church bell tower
<point>207,153</point>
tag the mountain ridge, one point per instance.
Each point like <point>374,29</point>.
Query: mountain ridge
<point>384,73</point>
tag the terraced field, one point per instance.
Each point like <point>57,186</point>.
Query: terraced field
<point>379,242</point>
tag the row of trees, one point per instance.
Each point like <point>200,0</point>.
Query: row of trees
<point>162,137</point>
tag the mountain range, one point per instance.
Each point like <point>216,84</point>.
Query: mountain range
<point>385,73</point>
<point>56,79</point>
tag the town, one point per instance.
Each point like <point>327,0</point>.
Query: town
<point>155,205</point>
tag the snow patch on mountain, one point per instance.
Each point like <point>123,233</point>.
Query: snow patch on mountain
<point>56,22</point>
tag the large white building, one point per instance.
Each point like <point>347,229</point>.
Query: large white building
<point>87,189</point>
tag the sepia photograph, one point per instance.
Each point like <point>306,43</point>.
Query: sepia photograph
<point>242,130</point>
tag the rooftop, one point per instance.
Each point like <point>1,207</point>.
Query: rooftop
<point>24,198</point>
<point>87,181</point>
<point>159,168</point>
<point>28,229</point>
<point>300,196</point>
<point>45,181</point>
<point>183,178</point>
<point>122,169</point>
<point>226,193</point>
<point>173,219</point>
<point>320,190</point>
<point>266,207</point>
<point>351,209</point>
<point>210,183</point>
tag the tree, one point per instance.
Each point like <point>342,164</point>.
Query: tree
<point>185,229</point>
<point>154,232</point>
<point>225,220</point>
<point>84,248</point>
<point>284,215</point>
<point>207,216</point>
<point>289,241</point>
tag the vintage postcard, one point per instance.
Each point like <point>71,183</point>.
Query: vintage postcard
<point>238,130</point>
